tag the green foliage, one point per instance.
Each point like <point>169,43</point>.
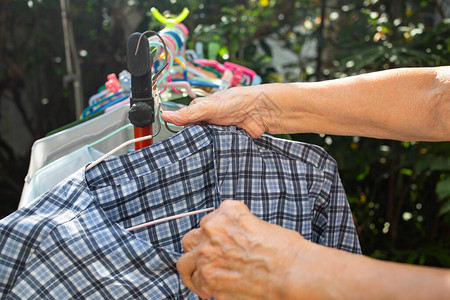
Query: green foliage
<point>398,191</point>
<point>387,35</point>
<point>399,194</point>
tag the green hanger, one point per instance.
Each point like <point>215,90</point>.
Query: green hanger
<point>170,22</point>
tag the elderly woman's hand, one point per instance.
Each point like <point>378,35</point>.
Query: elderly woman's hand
<point>235,255</point>
<point>248,108</point>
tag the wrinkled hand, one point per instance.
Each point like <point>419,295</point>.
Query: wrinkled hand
<point>243,107</point>
<point>235,255</point>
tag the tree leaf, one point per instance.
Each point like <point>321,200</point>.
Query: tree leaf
<point>266,48</point>
<point>445,208</point>
<point>443,189</point>
<point>432,163</point>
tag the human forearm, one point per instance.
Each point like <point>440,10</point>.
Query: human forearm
<point>318,272</point>
<point>402,104</point>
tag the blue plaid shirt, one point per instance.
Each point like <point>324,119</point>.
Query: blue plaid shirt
<point>72,242</point>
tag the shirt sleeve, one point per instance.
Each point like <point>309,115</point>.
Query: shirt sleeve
<point>333,224</point>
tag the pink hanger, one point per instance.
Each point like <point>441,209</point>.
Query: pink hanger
<point>179,84</point>
<point>113,107</point>
<point>244,70</point>
<point>183,27</point>
<point>237,77</point>
<point>211,63</point>
<point>238,70</point>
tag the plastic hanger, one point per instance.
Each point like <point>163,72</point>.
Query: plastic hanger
<point>154,221</point>
<point>198,73</point>
<point>140,139</point>
<point>163,80</point>
<point>209,71</point>
<point>195,212</point>
<point>212,63</point>
<point>232,66</point>
<point>198,81</point>
<point>170,22</point>
<point>179,84</point>
<point>95,98</point>
<point>110,135</point>
<point>175,35</point>
<point>112,85</point>
<point>127,102</point>
<point>192,54</point>
<point>94,107</point>
<point>169,60</point>
<point>96,162</point>
<point>203,71</point>
<point>110,103</point>
<point>240,72</point>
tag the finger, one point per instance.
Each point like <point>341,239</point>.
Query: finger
<point>207,218</point>
<point>252,126</point>
<point>197,111</point>
<point>199,286</point>
<point>233,204</point>
<point>226,205</point>
<point>186,266</point>
<point>175,117</point>
<point>191,239</point>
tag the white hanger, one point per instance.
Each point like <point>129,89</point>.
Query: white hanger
<point>195,212</point>
<point>93,164</point>
<point>96,162</point>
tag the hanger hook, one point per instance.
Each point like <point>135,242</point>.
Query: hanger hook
<point>157,74</point>
<point>165,48</point>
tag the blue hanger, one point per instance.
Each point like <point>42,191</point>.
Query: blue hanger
<point>86,111</point>
<point>94,98</point>
<point>108,104</point>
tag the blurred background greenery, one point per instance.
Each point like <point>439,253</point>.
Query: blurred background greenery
<point>399,191</point>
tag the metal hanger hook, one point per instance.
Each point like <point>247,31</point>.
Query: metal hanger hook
<point>166,53</point>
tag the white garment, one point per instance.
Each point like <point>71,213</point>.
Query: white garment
<point>49,149</point>
<point>50,175</point>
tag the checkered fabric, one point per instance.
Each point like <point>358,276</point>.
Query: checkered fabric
<point>72,242</point>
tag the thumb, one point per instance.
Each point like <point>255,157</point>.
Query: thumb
<point>197,111</point>
<point>178,117</point>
